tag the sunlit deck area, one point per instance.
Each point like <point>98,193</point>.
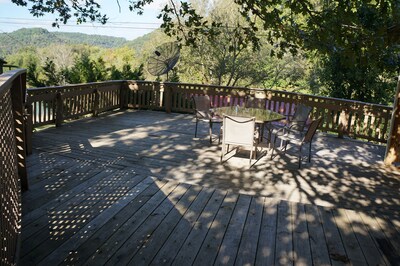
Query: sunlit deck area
<point>135,187</point>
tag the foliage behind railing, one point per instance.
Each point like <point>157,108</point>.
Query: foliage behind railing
<point>345,117</point>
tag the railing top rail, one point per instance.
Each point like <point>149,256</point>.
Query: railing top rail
<point>206,85</point>
<point>299,95</point>
<point>280,91</point>
<point>71,86</point>
<point>7,78</point>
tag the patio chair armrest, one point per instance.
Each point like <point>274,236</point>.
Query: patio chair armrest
<point>201,114</point>
<point>282,131</point>
<point>298,125</point>
<point>286,131</point>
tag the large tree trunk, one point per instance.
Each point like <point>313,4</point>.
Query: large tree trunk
<point>393,145</point>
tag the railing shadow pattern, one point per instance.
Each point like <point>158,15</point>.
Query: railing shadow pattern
<point>162,145</point>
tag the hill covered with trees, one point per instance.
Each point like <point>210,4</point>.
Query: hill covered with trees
<point>38,37</point>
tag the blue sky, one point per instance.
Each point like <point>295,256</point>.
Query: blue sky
<point>121,23</point>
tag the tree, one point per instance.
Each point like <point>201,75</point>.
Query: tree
<point>32,75</point>
<point>129,74</point>
<point>83,71</point>
<point>356,36</point>
<point>84,11</point>
<point>225,59</point>
<point>52,77</point>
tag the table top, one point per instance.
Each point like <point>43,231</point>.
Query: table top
<point>261,115</point>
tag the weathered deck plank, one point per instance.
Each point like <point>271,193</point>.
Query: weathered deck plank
<point>228,249</point>
<point>267,239</point>
<point>172,245</point>
<point>92,201</point>
<point>319,249</point>
<point>212,242</point>
<point>248,246</point>
<point>64,223</point>
<point>70,246</point>
<point>90,245</point>
<point>353,249</point>
<point>284,235</point>
<point>301,237</point>
<point>108,248</point>
<point>337,252</point>
<point>164,215</point>
<point>188,251</point>
<point>37,219</point>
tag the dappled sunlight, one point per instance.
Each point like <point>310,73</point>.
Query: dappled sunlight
<point>344,198</point>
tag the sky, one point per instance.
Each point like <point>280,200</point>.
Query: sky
<point>121,23</point>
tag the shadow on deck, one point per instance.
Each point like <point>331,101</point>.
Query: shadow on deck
<point>136,187</point>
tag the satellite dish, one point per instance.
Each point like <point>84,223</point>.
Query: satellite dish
<point>163,59</point>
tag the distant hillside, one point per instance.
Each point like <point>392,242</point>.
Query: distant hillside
<point>38,37</point>
<point>149,41</point>
<point>140,42</point>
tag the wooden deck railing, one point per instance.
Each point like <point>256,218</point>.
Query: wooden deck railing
<point>52,105</point>
<point>12,162</point>
<point>345,117</point>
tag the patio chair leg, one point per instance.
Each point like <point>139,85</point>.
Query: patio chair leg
<point>251,156</point>
<point>219,136</point>
<point>222,151</point>
<point>269,139</point>
<point>195,132</point>
<point>309,153</point>
<point>273,148</point>
<point>210,132</point>
<point>300,156</point>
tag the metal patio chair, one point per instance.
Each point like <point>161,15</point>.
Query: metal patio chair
<point>298,138</point>
<point>202,110</point>
<point>296,122</point>
<point>239,131</point>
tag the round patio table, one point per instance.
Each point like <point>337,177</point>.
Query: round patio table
<point>262,116</point>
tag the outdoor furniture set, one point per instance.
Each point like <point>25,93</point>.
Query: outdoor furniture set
<point>244,126</point>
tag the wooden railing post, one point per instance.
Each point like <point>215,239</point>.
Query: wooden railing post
<point>96,105</point>
<point>123,95</point>
<point>161,99</point>
<point>343,128</point>
<point>59,109</point>
<point>167,97</point>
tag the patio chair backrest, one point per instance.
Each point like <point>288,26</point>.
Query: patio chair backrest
<point>202,104</point>
<point>300,116</point>
<point>248,101</point>
<point>238,130</point>
<point>254,102</point>
<point>311,130</point>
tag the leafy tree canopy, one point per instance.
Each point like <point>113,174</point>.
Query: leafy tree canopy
<point>314,24</point>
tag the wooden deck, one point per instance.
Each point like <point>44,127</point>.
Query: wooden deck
<point>136,188</point>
